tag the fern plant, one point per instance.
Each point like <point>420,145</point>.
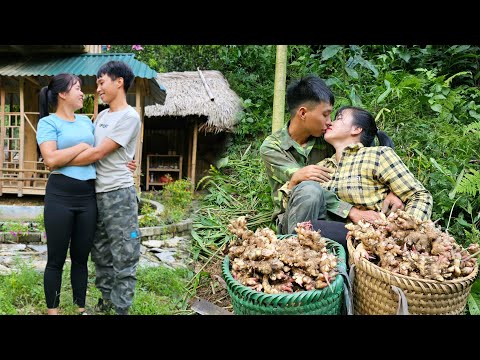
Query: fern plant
<point>470,183</point>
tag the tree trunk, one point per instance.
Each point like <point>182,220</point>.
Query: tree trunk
<point>279,88</point>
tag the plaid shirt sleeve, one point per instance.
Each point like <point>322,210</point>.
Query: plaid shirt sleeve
<point>392,171</point>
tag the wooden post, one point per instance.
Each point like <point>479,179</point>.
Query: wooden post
<point>279,88</point>
<point>138,150</point>
<point>194,153</point>
<point>147,180</point>
<point>22,133</point>
<point>142,133</point>
<point>189,160</point>
<point>30,121</point>
<point>2,131</point>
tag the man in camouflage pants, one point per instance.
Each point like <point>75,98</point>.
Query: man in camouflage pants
<point>290,154</point>
<point>116,246</point>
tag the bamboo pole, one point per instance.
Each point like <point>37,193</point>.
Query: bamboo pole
<point>194,153</point>
<point>279,88</point>
<point>138,150</point>
<point>209,92</point>
<point>25,170</point>
<point>142,133</point>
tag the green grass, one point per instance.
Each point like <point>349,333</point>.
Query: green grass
<point>22,292</point>
<point>158,292</point>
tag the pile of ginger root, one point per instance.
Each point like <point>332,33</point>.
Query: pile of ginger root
<point>405,245</point>
<point>264,263</point>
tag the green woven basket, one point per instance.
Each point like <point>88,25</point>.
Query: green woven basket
<point>327,301</point>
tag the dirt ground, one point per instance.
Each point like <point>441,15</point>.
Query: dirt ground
<point>213,287</point>
<point>26,200</point>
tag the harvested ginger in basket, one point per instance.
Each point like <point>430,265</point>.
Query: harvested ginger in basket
<point>264,263</point>
<point>405,245</point>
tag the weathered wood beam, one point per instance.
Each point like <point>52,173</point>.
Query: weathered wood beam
<point>20,49</point>
<point>21,133</point>
<point>138,150</point>
<point>194,153</point>
<point>2,129</point>
<point>29,123</point>
<point>25,170</point>
<point>33,81</point>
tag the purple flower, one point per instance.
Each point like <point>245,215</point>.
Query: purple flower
<point>137,47</point>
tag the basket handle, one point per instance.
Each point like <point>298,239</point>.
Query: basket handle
<point>347,290</point>
<point>352,273</point>
<point>402,301</point>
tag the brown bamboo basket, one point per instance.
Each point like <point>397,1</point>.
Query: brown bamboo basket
<point>373,294</point>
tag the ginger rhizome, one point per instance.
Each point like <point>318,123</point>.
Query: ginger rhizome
<point>262,262</point>
<point>405,245</point>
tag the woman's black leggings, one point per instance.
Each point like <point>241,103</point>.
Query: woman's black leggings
<point>70,215</point>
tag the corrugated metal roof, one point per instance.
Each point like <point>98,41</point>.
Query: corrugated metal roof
<point>82,65</point>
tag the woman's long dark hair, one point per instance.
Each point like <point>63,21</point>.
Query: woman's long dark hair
<point>49,94</point>
<point>363,119</point>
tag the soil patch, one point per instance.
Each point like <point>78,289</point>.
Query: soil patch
<point>212,287</point>
<point>26,200</point>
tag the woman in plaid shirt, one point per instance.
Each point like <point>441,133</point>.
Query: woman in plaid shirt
<point>364,173</point>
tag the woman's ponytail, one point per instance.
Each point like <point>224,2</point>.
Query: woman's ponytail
<point>44,102</point>
<point>384,139</point>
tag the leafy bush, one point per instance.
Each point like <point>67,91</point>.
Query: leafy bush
<point>148,217</point>
<point>178,193</point>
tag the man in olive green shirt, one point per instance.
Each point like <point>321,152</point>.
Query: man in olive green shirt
<point>290,154</point>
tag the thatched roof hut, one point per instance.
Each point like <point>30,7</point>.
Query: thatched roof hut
<point>190,130</point>
<point>189,94</point>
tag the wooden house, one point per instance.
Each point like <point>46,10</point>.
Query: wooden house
<point>189,132</point>
<point>24,70</point>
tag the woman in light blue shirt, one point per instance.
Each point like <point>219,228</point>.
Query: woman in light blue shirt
<point>70,210</point>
